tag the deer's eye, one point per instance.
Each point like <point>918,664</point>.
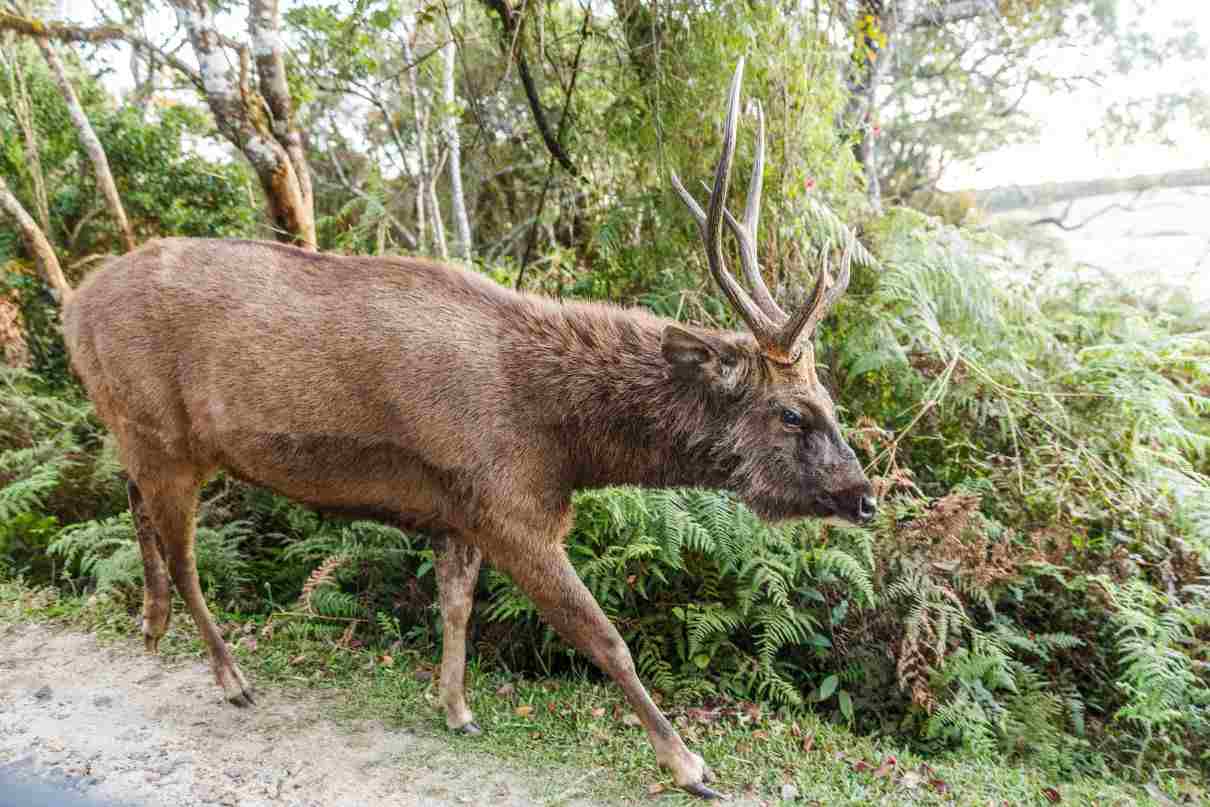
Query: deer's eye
<point>791,418</point>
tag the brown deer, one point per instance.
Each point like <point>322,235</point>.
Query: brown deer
<point>433,398</point>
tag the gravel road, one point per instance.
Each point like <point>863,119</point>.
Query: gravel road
<point>82,723</point>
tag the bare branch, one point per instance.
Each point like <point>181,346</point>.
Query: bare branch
<point>99,35</point>
<point>953,12</point>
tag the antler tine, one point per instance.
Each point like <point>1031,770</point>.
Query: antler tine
<point>823,296</point>
<point>748,258</point>
<point>745,233</point>
<point>710,224</point>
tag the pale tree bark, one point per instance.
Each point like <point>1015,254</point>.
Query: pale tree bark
<point>252,119</point>
<point>428,212</point>
<point>23,113</point>
<point>264,26</point>
<point>90,142</point>
<point>454,145</point>
<point>43,252</point>
<point>240,113</point>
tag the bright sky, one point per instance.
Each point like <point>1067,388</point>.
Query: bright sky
<point>1064,151</point>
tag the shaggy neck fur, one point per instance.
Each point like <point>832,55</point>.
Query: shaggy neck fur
<point>599,384</point>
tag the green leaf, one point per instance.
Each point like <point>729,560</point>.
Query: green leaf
<point>828,687</point>
<point>846,704</point>
<point>702,660</point>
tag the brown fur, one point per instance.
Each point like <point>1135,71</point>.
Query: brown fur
<point>434,397</point>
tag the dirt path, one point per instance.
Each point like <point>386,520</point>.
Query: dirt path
<point>117,726</point>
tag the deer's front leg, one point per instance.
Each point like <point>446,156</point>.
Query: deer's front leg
<point>457,567</point>
<point>544,573</point>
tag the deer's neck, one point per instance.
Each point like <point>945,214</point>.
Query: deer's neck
<point>598,384</point>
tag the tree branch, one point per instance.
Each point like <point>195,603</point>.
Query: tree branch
<point>512,28</point>
<point>99,35</point>
<point>934,16</point>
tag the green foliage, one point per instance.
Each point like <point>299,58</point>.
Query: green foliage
<point>107,551</point>
<point>715,601</point>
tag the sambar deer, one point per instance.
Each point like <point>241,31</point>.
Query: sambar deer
<point>429,396</point>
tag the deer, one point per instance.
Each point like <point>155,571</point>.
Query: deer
<point>430,397</point>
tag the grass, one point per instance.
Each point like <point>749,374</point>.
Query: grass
<point>579,727</point>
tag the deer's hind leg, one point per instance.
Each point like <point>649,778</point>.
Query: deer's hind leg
<point>157,588</point>
<point>457,567</point>
<point>169,497</point>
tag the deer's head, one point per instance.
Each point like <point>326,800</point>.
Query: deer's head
<point>771,409</point>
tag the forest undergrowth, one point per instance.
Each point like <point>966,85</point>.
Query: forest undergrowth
<point>1033,590</point>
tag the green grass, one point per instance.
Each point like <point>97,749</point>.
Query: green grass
<point>577,726</point>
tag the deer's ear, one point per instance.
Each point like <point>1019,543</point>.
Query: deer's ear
<point>693,357</point>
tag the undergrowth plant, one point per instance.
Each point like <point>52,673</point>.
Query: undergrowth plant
<point>1035,586</point>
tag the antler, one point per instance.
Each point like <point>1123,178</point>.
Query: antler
<point>777,333</point>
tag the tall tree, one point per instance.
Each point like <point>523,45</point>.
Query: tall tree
<point>259,123</point>
<point>258,120</point>
<point>453,143</point>
<point>23,113</point>
<point>36,239</point>
<point>90,142</point>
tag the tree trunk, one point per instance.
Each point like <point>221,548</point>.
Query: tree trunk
<point>264,25</point>
<point>43,252</point>
<point>241,118</point>
<point>92,145</point>
<point>453,143</point>
<point>426,200</point>
<point>1012,197</point>
<point>23,114</point>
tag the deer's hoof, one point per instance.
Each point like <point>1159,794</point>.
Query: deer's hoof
<point>703,791</point>
<point>243,700</point>
<point>470,729</point>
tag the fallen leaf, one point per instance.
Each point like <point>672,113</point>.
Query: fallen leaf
<point>861,765</point>
<point>388,660</point>
<point>795,730</point>
<point>1052,795</point>
<point>911,780</point>
<point>760,734</point>
<point>655,789</point>
<point>506,691</point>
<point>808,743</point>
<point>940,785</point>
<point>524,711</point>
<point>599,711</point>
<point>298,659</point>
<point>743,748</point>
<point>248,642</point>
<point>631,719</point>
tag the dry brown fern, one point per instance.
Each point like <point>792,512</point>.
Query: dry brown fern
<point>912,672</point>
<point>324,573</point>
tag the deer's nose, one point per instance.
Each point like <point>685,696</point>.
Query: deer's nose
<point>867,508</point>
